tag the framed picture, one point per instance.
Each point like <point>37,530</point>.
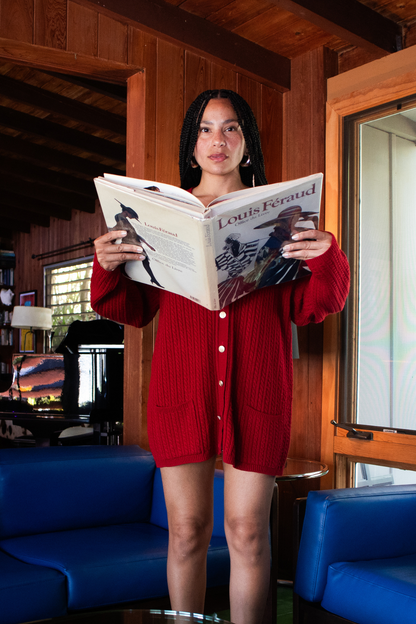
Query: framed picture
<point>27,339</point>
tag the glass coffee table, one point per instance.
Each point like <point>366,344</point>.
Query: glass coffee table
<point>135,616</point>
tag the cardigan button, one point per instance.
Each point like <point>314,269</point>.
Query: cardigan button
<point>221,383</point>
<point>221,348</point>
<point>219,417</point>
<point>223,314</point>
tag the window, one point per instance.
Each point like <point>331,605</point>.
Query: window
<point>67,292</point>
<point>378,390</point>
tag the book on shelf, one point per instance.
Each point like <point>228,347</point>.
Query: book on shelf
<point>216,254</point>
<point>7,277</point>
<point>7,258</point>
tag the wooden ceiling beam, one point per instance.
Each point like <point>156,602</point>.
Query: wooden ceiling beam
<point>114,91</point>
<point>63,106</point>
<point>20,201</point>
<point>22,122</point>
<point>48,177</point>
<point>199,35</point>
<point>49,156</point>
<point>20,214</point>
<point>52,59</point>
<point>349,20</point>
<point>30,190</point>
<point>9,223</point>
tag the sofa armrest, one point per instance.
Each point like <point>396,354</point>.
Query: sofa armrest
<point>353,525</point>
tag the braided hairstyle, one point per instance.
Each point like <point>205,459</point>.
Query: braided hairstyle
<point>254,174</point>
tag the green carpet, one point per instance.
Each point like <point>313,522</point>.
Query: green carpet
<point>284,607</point>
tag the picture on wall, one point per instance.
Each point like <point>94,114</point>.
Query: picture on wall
<point>27,338</point>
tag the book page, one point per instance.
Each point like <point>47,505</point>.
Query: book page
<point>171,240</point>
<point>149,187</point>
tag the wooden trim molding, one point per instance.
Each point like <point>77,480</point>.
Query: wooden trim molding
<point>377,83</point>
<point>52,59</point>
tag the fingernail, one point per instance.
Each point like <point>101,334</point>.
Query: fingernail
<point>295,236</point>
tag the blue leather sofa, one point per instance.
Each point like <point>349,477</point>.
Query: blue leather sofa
<point>357,557</point>
<point>84,527</point>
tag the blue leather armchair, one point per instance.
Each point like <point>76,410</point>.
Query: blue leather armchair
<point>357,557</point>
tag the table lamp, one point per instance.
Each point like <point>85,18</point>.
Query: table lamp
<point>32,318</point>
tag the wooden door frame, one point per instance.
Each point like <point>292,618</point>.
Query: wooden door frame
<point>138,343</point>
<point>382,81</point>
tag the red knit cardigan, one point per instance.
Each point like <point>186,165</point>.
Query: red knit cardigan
<point>221,382</point>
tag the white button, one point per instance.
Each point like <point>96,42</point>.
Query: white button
<point>221,349</point>
<point>223,314</point>
<point>219,417</point>
<point>220,383</point>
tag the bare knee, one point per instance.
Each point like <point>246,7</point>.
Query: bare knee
<point>247,538</point>
<point>189,537</point>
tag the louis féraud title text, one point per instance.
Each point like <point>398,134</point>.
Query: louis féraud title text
<point>264,207</point>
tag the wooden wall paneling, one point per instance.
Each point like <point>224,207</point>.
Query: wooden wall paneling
<point>169,111</point>
<point>16,19</point>
<point>197,77</point>
<point>300,141</point>
<point>136,349</point>
<point>272,133</point>
<point>250,90</point>
<point>29,271</point>
<point>82,35</point>
<point>112,39</point>
<point>142,52</point>
<point>223,77</point>
<point>50,23</point>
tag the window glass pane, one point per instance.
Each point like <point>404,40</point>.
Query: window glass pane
<point>369,475</point>
<point>67,288</point>
<point>386,357</point>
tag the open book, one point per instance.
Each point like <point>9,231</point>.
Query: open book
<point>212,255</point>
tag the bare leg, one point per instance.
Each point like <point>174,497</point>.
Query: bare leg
<point>189,500</point>
<point>248,498</point>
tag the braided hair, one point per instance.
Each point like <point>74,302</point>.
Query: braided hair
<point>254,174</point>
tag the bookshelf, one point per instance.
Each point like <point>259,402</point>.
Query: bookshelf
<point>7,334</point>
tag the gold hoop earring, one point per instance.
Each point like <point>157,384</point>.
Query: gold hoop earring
<point>194,164</point>
<point>246,162</point>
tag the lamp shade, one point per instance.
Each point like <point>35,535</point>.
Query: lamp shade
<point>32,317</point>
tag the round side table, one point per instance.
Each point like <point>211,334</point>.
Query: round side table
<point>294,470</point>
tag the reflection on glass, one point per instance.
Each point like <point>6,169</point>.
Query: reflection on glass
<point>370,474</point>
<point>386,371</point>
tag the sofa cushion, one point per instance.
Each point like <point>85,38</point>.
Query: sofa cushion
<point>112,564</point>
<point>382,591</point>
<point>29,592</point>
<point>61,488</point>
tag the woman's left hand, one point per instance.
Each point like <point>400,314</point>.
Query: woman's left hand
<point>303,248</point>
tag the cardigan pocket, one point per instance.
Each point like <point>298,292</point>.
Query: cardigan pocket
<point>262,439</point>
<point>175,431</point>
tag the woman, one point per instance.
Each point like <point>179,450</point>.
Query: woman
<point>221,381</point>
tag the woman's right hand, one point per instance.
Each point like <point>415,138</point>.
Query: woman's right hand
<point>111,255</point>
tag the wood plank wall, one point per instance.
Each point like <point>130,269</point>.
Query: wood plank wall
<point>292,129</point>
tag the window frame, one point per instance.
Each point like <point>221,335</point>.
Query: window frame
<point>50,267</point>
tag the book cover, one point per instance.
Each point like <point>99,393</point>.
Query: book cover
<point>212,255</point>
